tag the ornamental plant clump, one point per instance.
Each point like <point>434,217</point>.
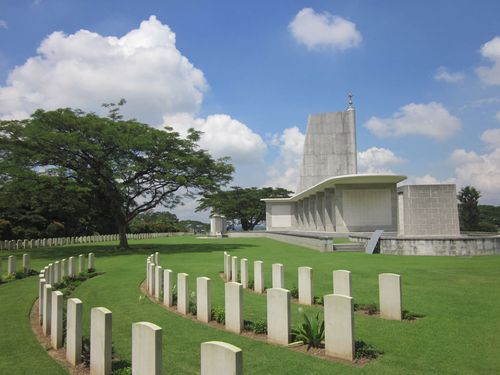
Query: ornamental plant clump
<point>311,331</point>
<point>219,314</point>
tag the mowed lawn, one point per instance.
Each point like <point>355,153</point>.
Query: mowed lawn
<point>459,297</point>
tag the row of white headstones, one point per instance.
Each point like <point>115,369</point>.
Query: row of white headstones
<point>11,264</point>
<point>61,241</point>
<point>338,307</point>
<point>146,337</point>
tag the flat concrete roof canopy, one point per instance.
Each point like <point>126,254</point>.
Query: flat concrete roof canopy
<point>358,179</point>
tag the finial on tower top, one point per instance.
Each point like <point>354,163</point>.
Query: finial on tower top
<point>350,101</point>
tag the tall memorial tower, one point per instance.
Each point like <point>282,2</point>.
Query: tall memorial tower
<point>329,147</point>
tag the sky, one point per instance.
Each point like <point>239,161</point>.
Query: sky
<point>425,78</point>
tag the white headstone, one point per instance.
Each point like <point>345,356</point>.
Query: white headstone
<point>158,282</point>
<point>342,282</point>
<point>278,316</point>
<point>146,349</point>
<point>100,341</point>
<point>390,296</point>
<point>203,299</point>
<point>11,265</point>
<point>56,324</point>
<point>234,307</point>
<point>182,293</point>
<point>244,273</point>
<point>278,276</point>
<point>26,262</point>
<point>74,323</point>
<point>234,269</point>
<point>220,358</point>
<point>258,276</point>
<point>167,287</point>
<point>47,309</point>
<point>339,326</point>
<point>306,296</point>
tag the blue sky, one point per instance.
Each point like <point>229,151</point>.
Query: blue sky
<point>425,77</point>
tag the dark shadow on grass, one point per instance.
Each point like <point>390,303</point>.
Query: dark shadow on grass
<point>146,249</point>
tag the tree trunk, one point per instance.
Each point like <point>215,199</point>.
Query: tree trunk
<point>122,230</point>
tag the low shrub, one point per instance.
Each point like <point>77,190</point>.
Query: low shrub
<point>369,308</point>
<point>364,350</point>
<point>311,331</point>
<point>218,314</point>
<point>260,326</point>
<point>294,292</point>
<point>318,300</point>
<point>408,315</point>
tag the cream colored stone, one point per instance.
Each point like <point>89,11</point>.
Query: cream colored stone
<point>228,267</point>
<point>234,269</point>
<point>71,267</point>
<point>167,287</point>
<point>81,263</point>
<point>146,349</point>
<point>157,258</point>
<point>244,273</point>
<point>220,358</point>
<point>339,326</point>
<point>233,307</point>
<point>26,262</point>
<point>182,293</point>
<point>11,265</point>
<point>74,324</point>
<point>47,309</point>
<point>151,279</point>
<point>306,296</point>
<point>100,341</point>
<point>225,265</point>
<point>57,272</point>
<point>41,290</point>
<point>91,260</point>
<point>342,282</point>
<point>203,299</point>
<point>278,316</point>
<point>278,275</point>
<point>390,296</point>
<point>56,323</point>
<point>158,282</point>
<point>258,276</point>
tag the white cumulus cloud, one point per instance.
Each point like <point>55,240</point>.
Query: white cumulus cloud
<point>285,170</point>
<point>480,170</point>
<point>377,160</point>
<point>490,75</point>
<point>3,24</point>
<point>324,29</point>
<point>85,69</point>
<point>442,74</point>
<point>431,120</point>
<point>222,136</point>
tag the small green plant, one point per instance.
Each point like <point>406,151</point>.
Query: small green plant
<point>86,351</point>
<point>318,300</point>
<point>311,331</point>
<point>369,308</point>
<point>251,284</point>
<point>174,295</point>
<point>364,350</point>
<point>260,326</point>
<point>121,367</point>
<point>248,325</point>
<point>192,304</point>
<point>294,292</point>
<point>219,314</point>
<point>408,315</point>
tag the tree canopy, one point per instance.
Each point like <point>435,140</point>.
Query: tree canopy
<point>468,208</point>
<point>125,167</point>
<point>243,205</point>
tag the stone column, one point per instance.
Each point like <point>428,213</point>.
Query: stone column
<point>167,288</point>
<point>312,213</point>
<point>81,263</point>
<point>158,282</point>
<point>91,264</point>
<point>234,307</point>
<point>64,268</point>
<point>11,265</point>
<point>203,299</point>
<point>151,279</point>
<point>278,275</point>
<point>182,293</point>
<point>225,265</point>
<point>74,323</point>
<point>234,269</point>
<point>320,211</point>
<point>41,291</point>
<point>47,309</point>
<point>339,326</point>
<point>278,316</point>
<point>56,323</point>
<point>157,258</point>
<point>220,358</point>
<point>100,341</point>
<point>244,273</point>
<point>228,267</point>
<point>342,282</point>
<point>390,296</point>
<point>258,276</point>
<point>57,272</point>
<point>71,267</point>
<point>146,349</point>
<point>26,262</point>
<point>306,296</point>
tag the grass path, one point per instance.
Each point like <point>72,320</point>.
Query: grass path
<point>458,296</point>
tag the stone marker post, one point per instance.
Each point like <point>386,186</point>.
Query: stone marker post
<point>342,282</point>
<point>64,268</point>
<point>244,273</point>
<point>220,358</point>
<point>182,293</point>
<point>146,349</point>
<point>91,265</point>
<point>47,309</point>
<point>71,267</point>
<point>81,263</point>
<point>225,265</point>
<point>100,341</point>
<point>57,272</point>
<point>278,316</point>
<point>203,299</point>
<point>233,307</point>
<point>157,258</point>
<point>158,282</point>
<point>234,269</point>
<point>339,326</point>
<point>11,265</point>
<point>56,324</point>
<point>390,296</point>
<point>151,279</point>
<point>258,276</point>
<point>278,276</point>
<point>74,323</point>
<point>26,262</point>
<point>41,291</point>
<point>306,295</point>
<point>228,267</point>
<point>167,287</point>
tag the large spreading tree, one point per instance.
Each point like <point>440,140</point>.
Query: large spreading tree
<point>243,205</point>
<point>128,167</point>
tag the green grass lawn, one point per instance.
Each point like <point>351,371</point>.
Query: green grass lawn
<point>458,296</point>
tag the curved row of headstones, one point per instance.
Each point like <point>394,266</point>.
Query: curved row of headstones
<point>62,241</point>
<point>338,308</point>
<point>11,264</point>
<point>147,342</point>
